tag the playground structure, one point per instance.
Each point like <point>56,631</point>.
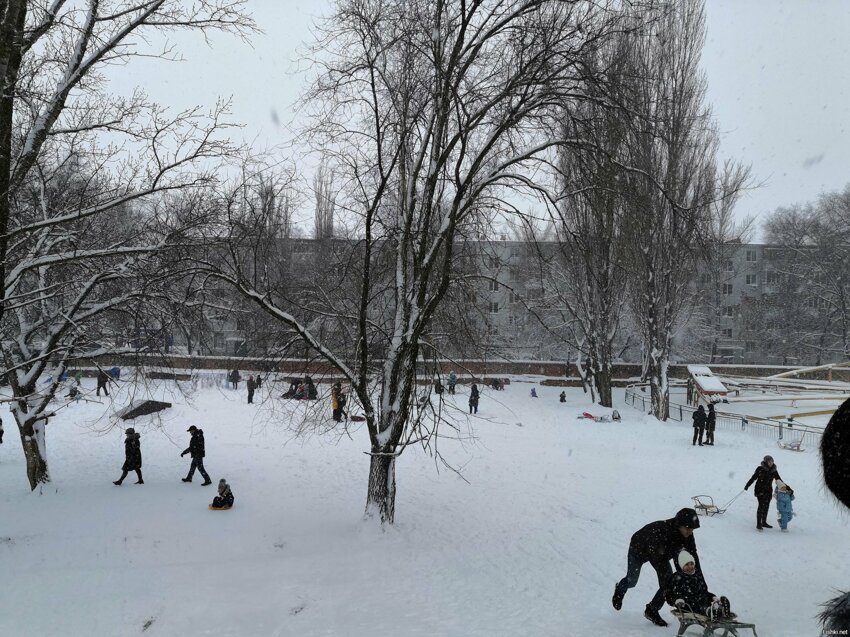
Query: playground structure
<point>791,410</point>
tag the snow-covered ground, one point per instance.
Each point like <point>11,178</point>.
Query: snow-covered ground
<point>531,545</point>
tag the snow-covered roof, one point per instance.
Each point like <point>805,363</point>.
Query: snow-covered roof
<point>708,383</point>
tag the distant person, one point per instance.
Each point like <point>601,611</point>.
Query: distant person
<point>234,378</point>
<point>688,592</point>
<point>224,499</point>
<point>473,399</point>
<point>293,388</point>
<point>763,476</point>
<point>699,424</point>
<point>563,397</point>
<point>615,416</point>
<point>301,392</point>
<point>438,385</point>
<point>710,424</point>
<point>102,382</point>
<point>336,402</point>
<point>132,457</point>
<point>658,543</point>
<point>252,386</point>
<point>197,451</point>
<point>259,381</point>
<point>452,382</point>
<point>312,392</point>
<point>533,392</point>
<point>1,431</point>
<point>73,393</point>
<point>784,496</point>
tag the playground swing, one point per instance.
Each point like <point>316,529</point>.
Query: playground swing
<point>794,445</point>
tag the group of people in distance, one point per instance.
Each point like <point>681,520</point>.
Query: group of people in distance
<point>197,451</point>
<point>704,423</point>
<point>664,540</point>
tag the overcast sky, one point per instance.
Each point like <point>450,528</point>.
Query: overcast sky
<point>777,71</point>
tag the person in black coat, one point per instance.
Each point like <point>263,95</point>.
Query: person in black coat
<point>102,382</point>
<point>687,592</point>
<point>763,476</point>
<point>658,543</point>
<point>710,423</point>
<point>224,499</point>
<point>1,431</point>
<point>132,457</point>
<point>197,451</point>
<point>473,399</point>
<point>235,378</point>
<point>699,424</point>
<point>252,386</point>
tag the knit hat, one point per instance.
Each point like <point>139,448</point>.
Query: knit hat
<point>768,459</point>
<point>130,430</point>
<point>192,428</point>
<point>684,558</point>
<point>687,518</point>
<point>781,485</point>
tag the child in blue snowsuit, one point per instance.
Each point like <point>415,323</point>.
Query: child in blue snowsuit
<point>784,495</point>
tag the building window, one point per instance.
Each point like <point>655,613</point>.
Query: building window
<point>771,278</point>
<point>493,285</point>
<point>494,307</point>
<point>705,277</point>
<point>752,279</point>
<point>730,267</point>
<point>727,289</point>
<point>750,346</point>
<point>751,256</point>
<point>218,341</point>
<point>515,297</point>
<point>727,332</point>
<point>728,310</point>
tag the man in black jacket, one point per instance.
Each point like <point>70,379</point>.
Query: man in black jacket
<point>196,449</point>
<point>658,543</point>
<point>102,382</point>
<point>763,476</point>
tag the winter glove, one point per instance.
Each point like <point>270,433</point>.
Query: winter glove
<point>182,454</point>
<point>746,487</point>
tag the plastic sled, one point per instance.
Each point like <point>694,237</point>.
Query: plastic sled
<point>704,505</point>
<point>212,508</point>
<point>711,627</point>
<point>795,445</point>
<point>588,416</point>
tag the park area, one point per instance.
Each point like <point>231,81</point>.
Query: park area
<point>525,533</point>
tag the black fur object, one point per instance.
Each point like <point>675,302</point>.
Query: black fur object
<point>835,459</point>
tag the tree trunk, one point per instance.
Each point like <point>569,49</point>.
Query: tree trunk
<point>33,442</point>
<point>603,386</point>
<point>380,499</point>
<point>660,391</point>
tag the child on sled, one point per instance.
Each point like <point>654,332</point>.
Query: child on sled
<point>686,590</point>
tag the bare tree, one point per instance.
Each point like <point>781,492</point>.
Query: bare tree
<point>674,184</point>
<point>429,112</point>
<point>73,250</point>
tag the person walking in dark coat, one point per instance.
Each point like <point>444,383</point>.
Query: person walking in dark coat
<point>235,378</point>
<point>132,457</point>
<point>699,424</point>
<point>197,451</point>
<point>473,399</point>
<point>102,382</point>
<point>658,543</point>
<point>252,386</point>
<point>1,431</point>
<point>710,423</point>
<point>763,476</point>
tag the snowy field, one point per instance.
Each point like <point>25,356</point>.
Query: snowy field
<point>531,545</point>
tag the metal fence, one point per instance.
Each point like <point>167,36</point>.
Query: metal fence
<point>764,427</point>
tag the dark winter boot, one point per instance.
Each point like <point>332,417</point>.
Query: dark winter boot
<point>207,483</point>
<point>117,483</point>
<point>187,479</point>
<point>766,525</point>
<point>139,481</point>
<point>617,600</point>
<point>652,615</point>
<point>725,607</point>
